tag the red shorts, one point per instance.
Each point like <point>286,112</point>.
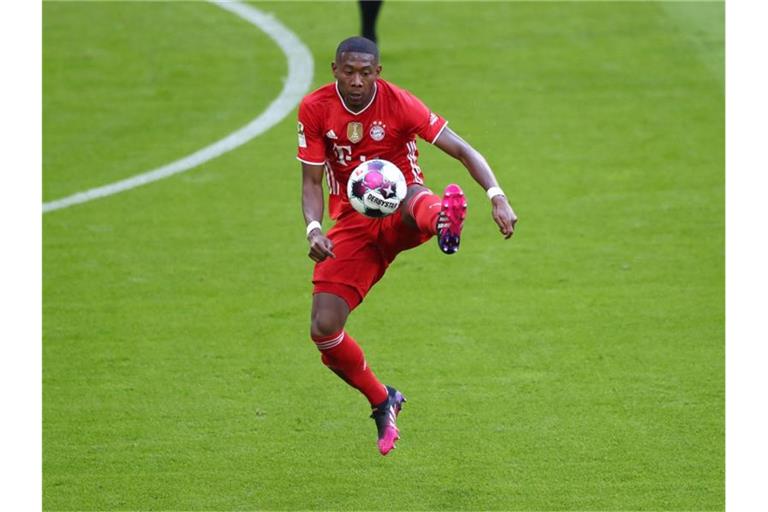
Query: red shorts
<point>364,248</point>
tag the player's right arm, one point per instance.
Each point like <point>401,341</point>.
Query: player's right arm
<point>320,246</point>
<point>479,169</point>
<point>311,154</point>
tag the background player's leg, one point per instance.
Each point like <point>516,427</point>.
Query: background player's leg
<point>340,352</point>
<point>369,11</point>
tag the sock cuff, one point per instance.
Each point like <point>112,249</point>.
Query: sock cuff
<point>418,197</point>
<point>328,342</point>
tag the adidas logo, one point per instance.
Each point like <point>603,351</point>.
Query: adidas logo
<point>331,134</point>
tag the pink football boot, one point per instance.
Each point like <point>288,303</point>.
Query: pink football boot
<point>385,416</point>
<point>451,219</point>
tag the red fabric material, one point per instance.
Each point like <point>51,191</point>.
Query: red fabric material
<point>324,339</point>
<point>425,210</point>
<point>349,293</point>
<point>364,248</point>
<point>348,361</point>
<point>331,135</point>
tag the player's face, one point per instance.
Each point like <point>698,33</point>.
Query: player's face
<point>356,74</point>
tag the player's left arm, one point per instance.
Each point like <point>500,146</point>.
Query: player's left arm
<point>479,169</point>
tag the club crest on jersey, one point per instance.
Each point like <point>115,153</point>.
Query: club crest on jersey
<point>377,131</point>
<point>355,132</point>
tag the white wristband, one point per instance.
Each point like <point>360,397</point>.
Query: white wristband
<point>493,192</point>
<point>312,226</point>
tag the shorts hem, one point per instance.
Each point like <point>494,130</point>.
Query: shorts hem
<point>348,293</point>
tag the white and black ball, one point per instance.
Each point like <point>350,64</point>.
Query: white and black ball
<point>376,188</point>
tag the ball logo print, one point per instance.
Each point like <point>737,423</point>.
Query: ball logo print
<point>376,188</point>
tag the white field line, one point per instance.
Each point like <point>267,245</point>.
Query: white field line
<point>300,69</point>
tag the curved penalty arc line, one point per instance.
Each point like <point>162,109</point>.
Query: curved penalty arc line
<point>300,70</point>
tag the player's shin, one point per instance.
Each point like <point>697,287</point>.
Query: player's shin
<point>341,353</point>
<point>424,209</point>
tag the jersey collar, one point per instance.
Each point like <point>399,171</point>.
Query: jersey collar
<point>375,90</point>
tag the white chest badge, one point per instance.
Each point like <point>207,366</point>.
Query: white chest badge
<point>377,131</point>
<point>302,138</point>
<point>355,132</point>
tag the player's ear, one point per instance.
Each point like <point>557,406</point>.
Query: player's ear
<point>333,67</point>
<point>378,69</point>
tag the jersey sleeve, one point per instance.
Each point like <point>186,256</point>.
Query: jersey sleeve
<point>426,124</point>
<point>311,149</point>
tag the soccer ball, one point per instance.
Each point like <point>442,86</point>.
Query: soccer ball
<point>376,188</point>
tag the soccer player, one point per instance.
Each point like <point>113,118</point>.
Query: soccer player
<point>357,118</point>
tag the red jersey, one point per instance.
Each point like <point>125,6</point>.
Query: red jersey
<point>332,135</point>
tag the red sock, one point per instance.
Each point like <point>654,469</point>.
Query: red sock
<point>344,356</point>
<point>425,208</point>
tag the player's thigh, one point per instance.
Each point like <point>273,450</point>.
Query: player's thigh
<point>329,314</point>
<point>358,265</point>
<point>398,235</point>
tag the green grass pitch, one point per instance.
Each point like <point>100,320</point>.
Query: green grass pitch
<point>579,366</point>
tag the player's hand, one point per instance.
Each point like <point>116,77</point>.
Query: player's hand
<point>320,247</point>
<point>504,216</point>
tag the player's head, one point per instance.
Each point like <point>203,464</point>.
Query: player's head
<point>356,69</point>
<point>357,45</point>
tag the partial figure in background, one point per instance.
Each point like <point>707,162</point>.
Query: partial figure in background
<point>369,11</point>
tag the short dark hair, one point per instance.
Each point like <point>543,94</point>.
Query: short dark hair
<point>357,44</point>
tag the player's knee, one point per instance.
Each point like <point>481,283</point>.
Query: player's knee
<point>329,313</point>
<point>325,325</point>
